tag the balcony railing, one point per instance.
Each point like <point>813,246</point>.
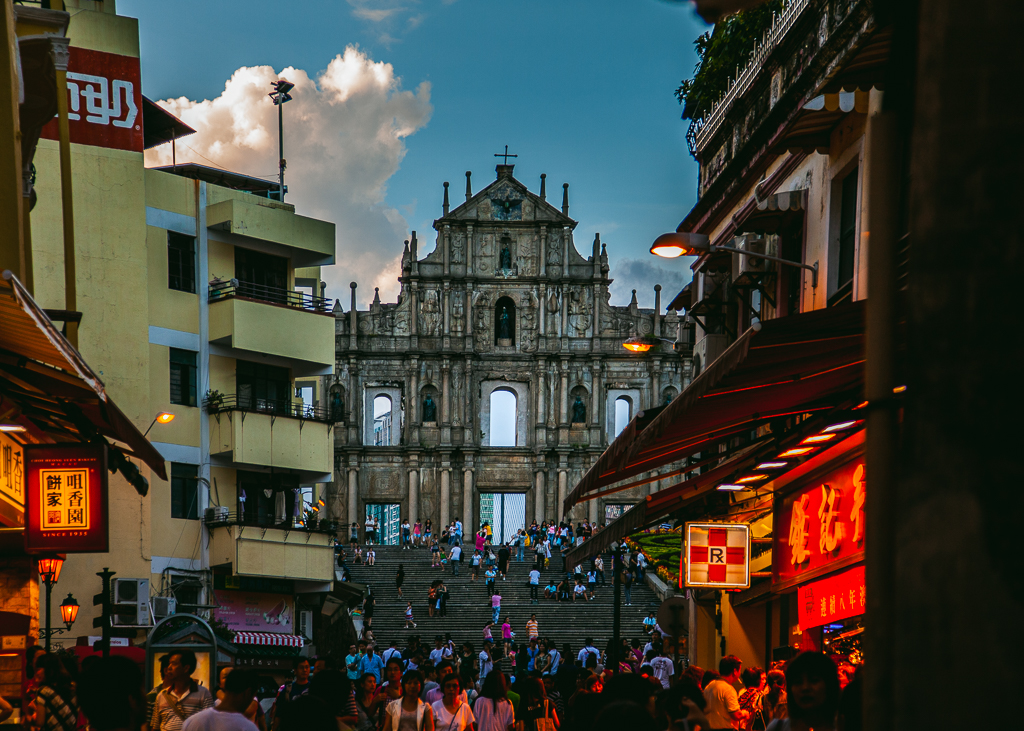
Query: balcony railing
<point>220,290</point>
<point>222,517</point>
<point>291,409</point>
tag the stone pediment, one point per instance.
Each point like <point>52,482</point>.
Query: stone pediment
<point>506,199</point>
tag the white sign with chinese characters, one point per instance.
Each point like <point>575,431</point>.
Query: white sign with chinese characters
<point>12,471</point>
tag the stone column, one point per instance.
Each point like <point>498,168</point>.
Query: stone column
<point>593,510</point>
<point>414,396</point>
<point>446,297</point>
<point>541,388</point>
<point>353,496</point>
<point>543,268</point>
<point>564,329</point>
<point>539,497</point>
<point>414,489</point>
<point>595,395</point>
<point>446,251</point>
<point>467,501</point>
<point>445,499</point>
<point>563,481</point>
<point>353,324</point>
<point>469,268</point>
<point>445,392</point>
<point>655,382</point>
<point>413,309</point>
<point>564,395</point>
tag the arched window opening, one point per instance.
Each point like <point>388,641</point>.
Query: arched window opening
<point>382,421</point>
<point>503,418</point>
<point>578,403</point>
<point>668,395</point>
<point>337,403</point>
<point>623,413</point>
<point>504,322</point>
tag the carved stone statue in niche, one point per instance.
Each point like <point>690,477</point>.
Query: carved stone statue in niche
<point>554,311</point>
<point>337,406</point>
<point>554,249</point>
<point>430,313</point>
<point>458,244</point>
<point>429,409</point>
<point>456,391</point>
<point>579,411</point>
<point>528,322</point>
<point>579,312</point>
<point>458,314</point>
<point>506,256</point>
<point>504,324</point>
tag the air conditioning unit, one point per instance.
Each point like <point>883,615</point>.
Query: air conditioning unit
<point>744,267</point>
<point>217,514</point>
<point>131,603</point>
<point>305,626</point>
<point>164,606</point>
<point>708,348</point>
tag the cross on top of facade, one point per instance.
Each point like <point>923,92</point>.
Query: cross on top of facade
<point>505,155</point>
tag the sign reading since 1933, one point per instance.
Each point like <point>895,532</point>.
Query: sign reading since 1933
<point>66,499</point>
<point>716,555</point>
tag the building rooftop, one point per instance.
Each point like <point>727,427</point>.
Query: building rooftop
<point>225,178</point>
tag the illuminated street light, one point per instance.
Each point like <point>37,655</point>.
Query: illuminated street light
<point>681,243</point>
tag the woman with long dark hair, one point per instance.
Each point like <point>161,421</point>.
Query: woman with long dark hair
<point>812,683</point>
<point>410,712</point>
<point>400,579</point>
<point>56,709</point>
<point>535,710</point>
<point>493,709</point>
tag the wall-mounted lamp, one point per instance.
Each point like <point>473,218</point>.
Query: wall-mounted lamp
<point>681,243</point>
<point>164,417</point>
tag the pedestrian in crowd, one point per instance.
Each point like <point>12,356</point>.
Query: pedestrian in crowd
<point>441,651</point>
<point>353,536</point>
<point>493,709</point>
<point>551,590</point>
<point>442,599</point>
<point>520,542</point>
<point>408,616</point>
<point>369,529</point>
<point>371,664</point>
<point>627,586</point>
<point>555,656</point>
<point>369,602</point>
<point>409,713</point>
<point>488,633</point>
<point>812,685</point>
<point>456,558</point>
<point>254,711</point>
<point>547,552</point>
<point>236,694</point>
<point>481,539</point>
<point>417,533</point>
<point>774,701</point>
<point>503,558</point>
<point>485,659</point>
<point>507,634</point>
<point>579,591</point>
<point>352,660</point>
<point>750,698</point>
<point>534,584</point>
<point>532,631</point>
<point>391,689</point>
<point>489,558</point>
<point>367,703</point>
<point>357,555</point>
<point>663,667</point>
<point>428,530</point>
<point>564,591</point>
<point>371,556</point>
<point>451,712</point>
<point>723,709</point>
<point>400,579</point>
<point>591,584</point>
<point>406,535</point>
<point>183,697</point>
<point>490,575</point>
<point>538,552</point>
<point>389,653</point>
<point>587,651</point>
<point>650,623</point>
<point>435,554</point>
<point>535,709</point>
<point>475,565</point>
<point>599,570</point>
<point>55,705</point>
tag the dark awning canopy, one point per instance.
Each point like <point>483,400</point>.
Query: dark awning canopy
<point>160,126</point>
<point>794,365</point>
<point>47,387</point>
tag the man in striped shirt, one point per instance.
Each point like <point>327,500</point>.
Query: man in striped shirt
<point>182,697</point>
<point>531,628</point>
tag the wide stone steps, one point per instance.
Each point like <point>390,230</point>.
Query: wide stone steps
<point>469,606</point>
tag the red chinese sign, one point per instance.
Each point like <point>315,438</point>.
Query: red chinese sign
<point>65,499</point>
<point>821,526</point>
<point>832,599</point>
<point>716,555</point>
<point>104,101</point>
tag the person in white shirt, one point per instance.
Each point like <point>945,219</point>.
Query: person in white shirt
<point>452,711</point>
<point>556,657</point>
<point>229,715</point>
<point>723,710</point>
<point>492,709</point>
<point>664,668</point>
<point>486,661</point>
<point>588,649</point>
<point>391,652</point>
<point>440,652</point>
<point>456,558</point>
<point>534,584</point>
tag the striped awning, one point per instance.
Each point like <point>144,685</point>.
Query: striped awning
<point>270,639</point>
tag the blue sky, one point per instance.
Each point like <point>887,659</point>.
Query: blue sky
<point>580,90</point>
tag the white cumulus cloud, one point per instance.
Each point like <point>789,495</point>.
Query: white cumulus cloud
<point>345,133</point>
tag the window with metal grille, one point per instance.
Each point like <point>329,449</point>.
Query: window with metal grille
<point>184,491</point>
<point>183,377</point>
<point>263,387</point>
<point>181,262</point>
<point>847,228</point>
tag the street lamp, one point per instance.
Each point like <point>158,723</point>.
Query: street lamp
<point>682,243</point>
<point>280,95</point>
<point>69,611</point>
<point>643,343</point>
<point>164,417</point>
<point>49,571</point>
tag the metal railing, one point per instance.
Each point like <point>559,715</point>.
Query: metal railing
<point>218,517</point>
<point>220,290</point>
<point>703,129</point>
<point>276,407</point>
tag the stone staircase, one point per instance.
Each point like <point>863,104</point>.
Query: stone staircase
<point>469,605</point>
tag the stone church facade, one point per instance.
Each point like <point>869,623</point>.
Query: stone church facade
<point>505,309</point>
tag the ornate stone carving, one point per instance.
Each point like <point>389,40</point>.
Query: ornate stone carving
<point>458,313</point>
<point>430,313</point>
<point>458,247</point>
<point>579,312</point>
<point>555,248</point>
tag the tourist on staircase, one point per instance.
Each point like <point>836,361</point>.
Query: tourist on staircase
<point>452,713</point>
<point>493,709</point>
<point>410,713</point>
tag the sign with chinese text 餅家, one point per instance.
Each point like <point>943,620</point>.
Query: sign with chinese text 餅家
<point>831,599</point>
<point>104,101</point>
<point>820,527</point>
<point>66,498</point>
<point>12,482</point>
<point>716,555</point>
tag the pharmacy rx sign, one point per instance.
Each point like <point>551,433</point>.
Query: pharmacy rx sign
<point>66,499</point>
<point>716,556</point>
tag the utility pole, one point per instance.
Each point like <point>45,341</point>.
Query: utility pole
<point>280,96</point>
<point>104,599</point>
<point>613,656</point>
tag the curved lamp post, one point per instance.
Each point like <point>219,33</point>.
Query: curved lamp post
<point>49,571</point>
<point>681,243</point>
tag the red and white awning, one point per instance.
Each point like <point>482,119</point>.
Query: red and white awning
<point>269,639</point>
